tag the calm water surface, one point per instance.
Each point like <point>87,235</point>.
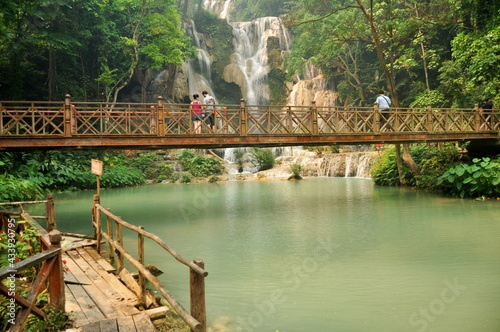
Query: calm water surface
<point>324,254</point>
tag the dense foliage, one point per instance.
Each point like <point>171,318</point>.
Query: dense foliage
<point>432,161</point>
<point>442,169</point>
<point>262,158</point>
<point>481,178</point>
<point>199,165</point>
<point>441,52</point>
<point>87,48</point>
<point>27,176</point>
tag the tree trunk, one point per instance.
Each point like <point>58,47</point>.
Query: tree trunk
<point>390,80</point>
<point>399,162</point>
<point>409,160</point>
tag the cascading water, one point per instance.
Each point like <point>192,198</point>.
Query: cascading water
<point>220,7</point>
<point>250,41</point>
<point>198,80</point>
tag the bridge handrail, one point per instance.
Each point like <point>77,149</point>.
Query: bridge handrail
<point>197,319</point>
<point>91,119</point>
<point>50,271</point>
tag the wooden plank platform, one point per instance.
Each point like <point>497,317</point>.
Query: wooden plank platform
<point>96,300</point>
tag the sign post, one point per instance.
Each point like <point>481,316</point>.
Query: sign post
<point>97,170</point>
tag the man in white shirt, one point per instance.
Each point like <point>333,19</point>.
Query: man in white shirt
<point>384,103</point>
<point>209,115</point>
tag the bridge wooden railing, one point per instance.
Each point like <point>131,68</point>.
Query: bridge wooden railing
<point>196,320</point>
<point>67,119</point>
<point>50,258</point>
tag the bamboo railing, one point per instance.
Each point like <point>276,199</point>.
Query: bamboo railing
<point>196,320</point>
<point>50,258</point>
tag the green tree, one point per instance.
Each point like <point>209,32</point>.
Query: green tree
<point>388,27</point>
<point>262,158</point>
<point>152,38</point>
<point>477,55</point>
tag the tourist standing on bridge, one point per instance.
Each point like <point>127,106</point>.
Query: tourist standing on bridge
<point>487,109</point>
<point>384,103</point>
<point>209,113</point>
<point>196,115</point>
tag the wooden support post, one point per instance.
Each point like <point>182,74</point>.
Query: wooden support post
<point>477,118</point>
<point>97,220</point>
<point>225,121</point>
<point>110,234</point>
<point>289,122</point>
<point>152,121</point>
<point>430,122</point>
<point>314,118</point>
<point>67,116</point>
<point>243,118</point>
<point>51,213</point>
<point>197,292</point>
<point>119,239</point>
<point>268,120</point>
<point>142,281</point>
<point>74,125</point>
<point>396,119</point>
<point>161,117</point>
<point>56,278</point>
<point>376,119</point>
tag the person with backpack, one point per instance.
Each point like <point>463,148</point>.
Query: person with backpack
<point>209,113</point>
<point>384,103</point>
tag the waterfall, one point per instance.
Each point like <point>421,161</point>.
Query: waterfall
<point>285,151</point>
<point>331,166</point>
<point>220,7</point>
<point>250,43</point>
<point>347,165</point>
<point>198,81</point>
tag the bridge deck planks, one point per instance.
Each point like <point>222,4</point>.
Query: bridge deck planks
<point>100,302</point>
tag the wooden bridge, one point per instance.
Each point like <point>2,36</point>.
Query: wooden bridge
<point>87,125</point>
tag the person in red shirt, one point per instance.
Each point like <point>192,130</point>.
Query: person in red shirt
<point>196,115</point>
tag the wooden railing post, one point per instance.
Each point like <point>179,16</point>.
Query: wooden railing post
<point>51,213</point>
<point>225,121</point>
<point>68,116</point>
<point>477,118</point>
<point>289,121</point>
<point>197,292</point>
<point>314,116</point>
<point>161,117</point>
<point>430,122</point>
<point>152,121</point>
<point>97,220</point>
<point>376,119</point>
<point>140,251</point>
<point>110,234</point>
<point>119,239</point>
<point>56,278</point>
<point>243,118</point>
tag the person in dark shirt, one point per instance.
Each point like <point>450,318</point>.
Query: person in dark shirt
<point>487,109</point>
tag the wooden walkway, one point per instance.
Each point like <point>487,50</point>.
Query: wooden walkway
<point>96,300</point>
